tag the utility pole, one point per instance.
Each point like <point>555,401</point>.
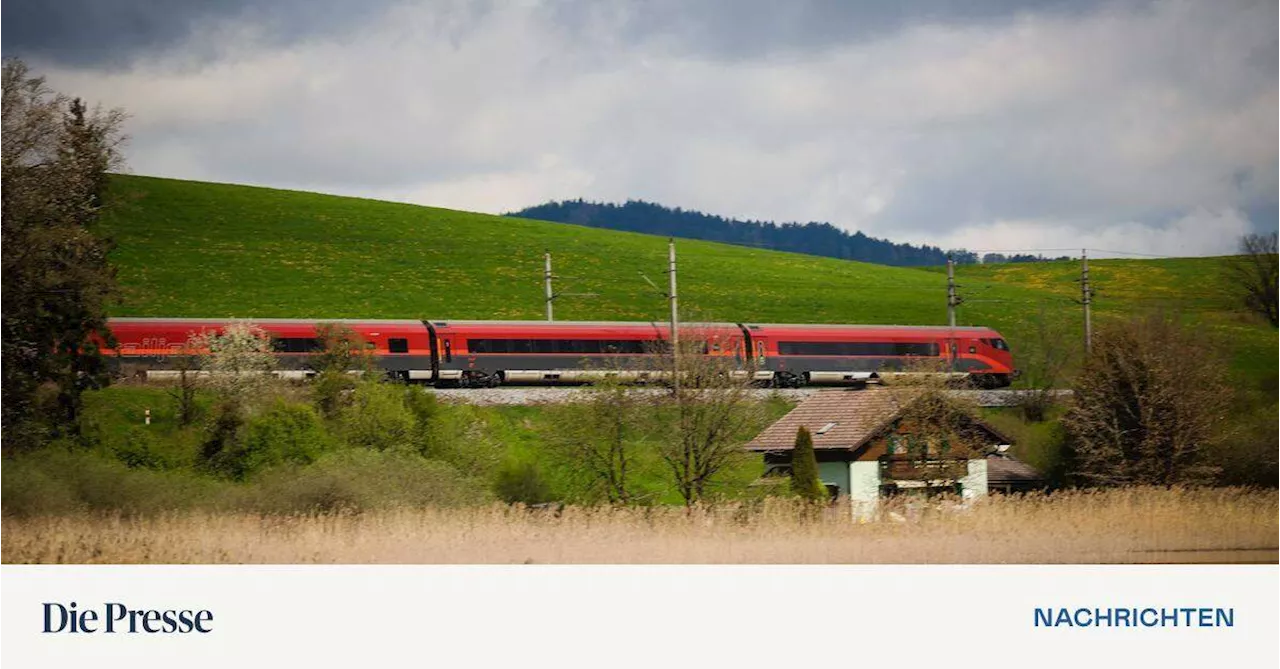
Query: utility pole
<point>952,302</point>
<point>675,325</point>
<point>550,295</point>
<point>546,278</point>
<point>1086,297</point>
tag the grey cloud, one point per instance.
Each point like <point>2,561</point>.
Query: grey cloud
<point>112,33</point>
<point>748,28</point>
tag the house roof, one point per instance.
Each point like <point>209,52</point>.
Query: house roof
<point>851,418</point>
<point>1002,469</point>
<point>857,415</point>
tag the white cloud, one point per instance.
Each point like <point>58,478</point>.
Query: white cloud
<point>1199,233</point>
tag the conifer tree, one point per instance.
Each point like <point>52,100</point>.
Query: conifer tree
<point>804,469</point>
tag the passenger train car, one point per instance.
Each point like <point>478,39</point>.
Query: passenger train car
<point>491,353</point>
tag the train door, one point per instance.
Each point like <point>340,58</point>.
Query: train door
<point>434,344</point>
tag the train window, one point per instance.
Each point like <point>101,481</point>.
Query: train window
<point>398,345</point>
<point>857,348</point>
<point>296,345</point>
<point>448,350</point>
<point>559,346</point>
<point>1000,344</point>
<point>760,350</point>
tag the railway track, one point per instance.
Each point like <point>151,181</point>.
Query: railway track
<point>516,395</point>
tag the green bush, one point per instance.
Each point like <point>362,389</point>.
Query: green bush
<point>521,481</point>
<point>424,406</point>
<point>287,432</point>
<point>29,488</point>
<point>362,480</point>
<point>1248,458</point>
<point>62,479</point>
<point>152,447</point>
<point>378,418</point>
<point>330,390</point>
<point>461,435</point>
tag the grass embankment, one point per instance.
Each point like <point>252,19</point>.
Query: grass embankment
<point>199,249</point>
<point>1118,526</point>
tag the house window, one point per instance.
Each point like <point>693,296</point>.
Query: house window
<point>397,345</point>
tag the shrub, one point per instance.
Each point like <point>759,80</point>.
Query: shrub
<point>60,480</point>
<point>360,480</point>
<point>1149,404</point>
<point>29,488</point>
<point>522,482</point>
<point>149,448</point>
<point>285,433</point>
<point>460,435</point>
<point>378,418</point>
<point>330,390</point>
<point>224,433</point>
<point>1248,457</point>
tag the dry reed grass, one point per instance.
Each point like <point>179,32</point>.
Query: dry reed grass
<point>1118,526</point>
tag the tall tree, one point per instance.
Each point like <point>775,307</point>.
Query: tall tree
<point>804,469</point>
<point>1255,273</point>
<point>704,421</point>
<point>57,281</point>
<point>1149,403</point>
<point>602,436</point>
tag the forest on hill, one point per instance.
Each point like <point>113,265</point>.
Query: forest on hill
<point>819,239</point>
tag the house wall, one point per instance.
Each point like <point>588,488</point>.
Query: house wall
<point>835,473</point>
<point>974,484</point>
<point>864,488</point>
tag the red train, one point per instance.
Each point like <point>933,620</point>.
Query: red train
<point>491,353</point>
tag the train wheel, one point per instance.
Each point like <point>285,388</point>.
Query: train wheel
<point>494,380</point>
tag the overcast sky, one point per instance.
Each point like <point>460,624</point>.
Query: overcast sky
<point>1136,126</point>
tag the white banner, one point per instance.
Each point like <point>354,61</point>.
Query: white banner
<point>639,616</point>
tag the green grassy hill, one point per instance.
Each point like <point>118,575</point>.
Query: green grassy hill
<point>200,249</point>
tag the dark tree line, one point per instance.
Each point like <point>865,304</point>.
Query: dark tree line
<point>57,281</point>
<point>819,239</point>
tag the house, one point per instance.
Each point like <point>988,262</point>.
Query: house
<point>1007,474</point>
<point>867,447</point>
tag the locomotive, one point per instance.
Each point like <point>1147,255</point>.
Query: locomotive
<point>473,353</point>
<point>490,353</point>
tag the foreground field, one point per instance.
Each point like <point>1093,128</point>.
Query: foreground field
<point>1121,526</point>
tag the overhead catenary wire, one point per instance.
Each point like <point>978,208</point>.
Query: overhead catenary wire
<point>1070,250</point>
